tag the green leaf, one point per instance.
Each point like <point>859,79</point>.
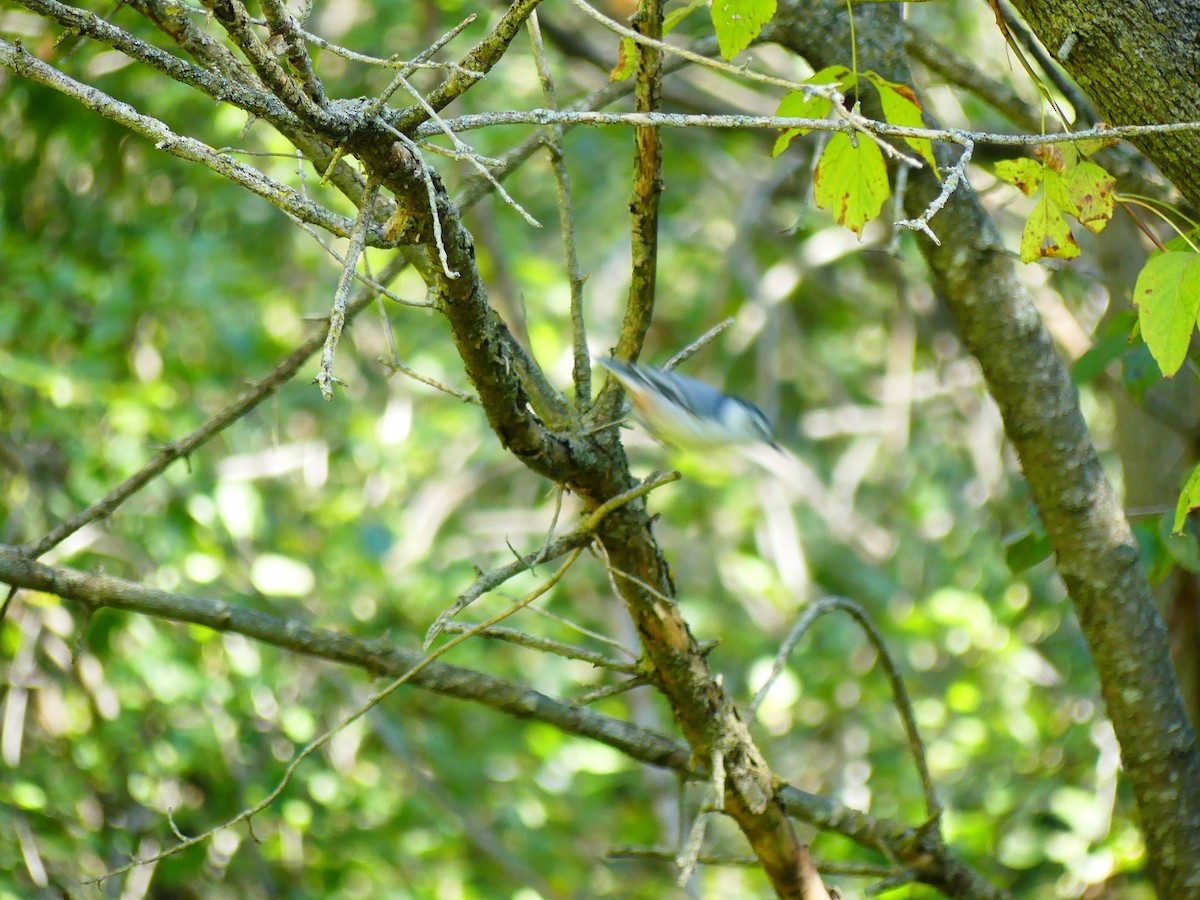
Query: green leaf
<point>1026,551</point>
<point>1025,173</point>
<point>1060,158</point>
<point>1155,559</point>
<point>901,107</point>
<point>626,60</point>
<point>738,22</point>
<point>799,105</point>
<point>1189,499</point>
<point>1097,358</point>
<point>1091,190</point>
<point>1088,147</point>
<point>676,16</point>
<point>1047,234</point>
<point>1139,371</point>
<point>1077,187</point>
<point>1167,295</point>
<point>1058,192</point>
<point>1180,542</point>
<point>1185,241</point>
<point>851,181</point>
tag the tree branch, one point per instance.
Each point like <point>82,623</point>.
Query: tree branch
<point>377,657</point>
<point>223,90</point>
<point>921,851</point>
<point>1136,62</point>
<point>279,195</point>
<point>478,62</point>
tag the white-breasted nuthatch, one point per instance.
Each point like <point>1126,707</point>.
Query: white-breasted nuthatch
<point>687,413</point>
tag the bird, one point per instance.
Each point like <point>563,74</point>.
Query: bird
<point>686,413</point>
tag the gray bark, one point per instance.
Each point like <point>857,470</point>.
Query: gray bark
<point>1139,62</point>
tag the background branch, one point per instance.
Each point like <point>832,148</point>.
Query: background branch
<point>927,857</point>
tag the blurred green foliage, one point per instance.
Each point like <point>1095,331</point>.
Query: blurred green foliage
<point>140,296</point>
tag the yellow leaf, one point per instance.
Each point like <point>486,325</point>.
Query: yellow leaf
<point>1047,234</point>
<point>851,181</point>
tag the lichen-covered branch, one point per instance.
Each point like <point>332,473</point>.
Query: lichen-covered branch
<point>15,57</point>
<point>88,24</point>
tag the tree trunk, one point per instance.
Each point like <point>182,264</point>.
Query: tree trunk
<point>1139,63</point>
<point>1094,548</point>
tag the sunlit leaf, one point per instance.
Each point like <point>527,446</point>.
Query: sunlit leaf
<point>1025,173</point>
<point>1189,499</point>
<point>1058,192</point>
<point>796,104</point>
<point>851,181</point>
<point>675,16</point>
<point>738,22</point>
<point>1093,145</point>
<point>1179,540</point>
<point>1167,295</point>
<point>1047,234</point>
<point>1059,158</point>
<point>1091,190</point>
<point>626,60</point>
<point>901,107</point>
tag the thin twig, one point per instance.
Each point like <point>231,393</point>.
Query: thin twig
<point>961,72</point>
<point>598,98</point>
<point>559,490</point>
<point>690,853</point>
<point>898,191</point>
<point>546,645</point>
<point>582,369</point>
<point>953,177</point>
<point>466,152</point>
<point>882,129</point>
<point>809,90</point>
<point>482,832</point>
<point>924,853</point>
<point>613,571</point>
<point>488,581</point>
<point>814,611</point>
<point>586,632</point>
<point>8,599</point>
<point>384,320</point>
<point>395,365</point>
<point>235,19</point>
<point>320,741</point>
<point>612,690</point>
<point>431,195</point>
<point>341,297</point>
<point>486,53</point>
<point>223,90</point>
<point>698,344</point>
<point>278,195</point>
<point>284,370</point>
<point>470,155</point>
<point>421,61</point>
<point>175,828</point>
<point>372,109</point>
<point>866,870</point>
<point>1082,105</point>
<point>363,279</point>
<point>280,22</point>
